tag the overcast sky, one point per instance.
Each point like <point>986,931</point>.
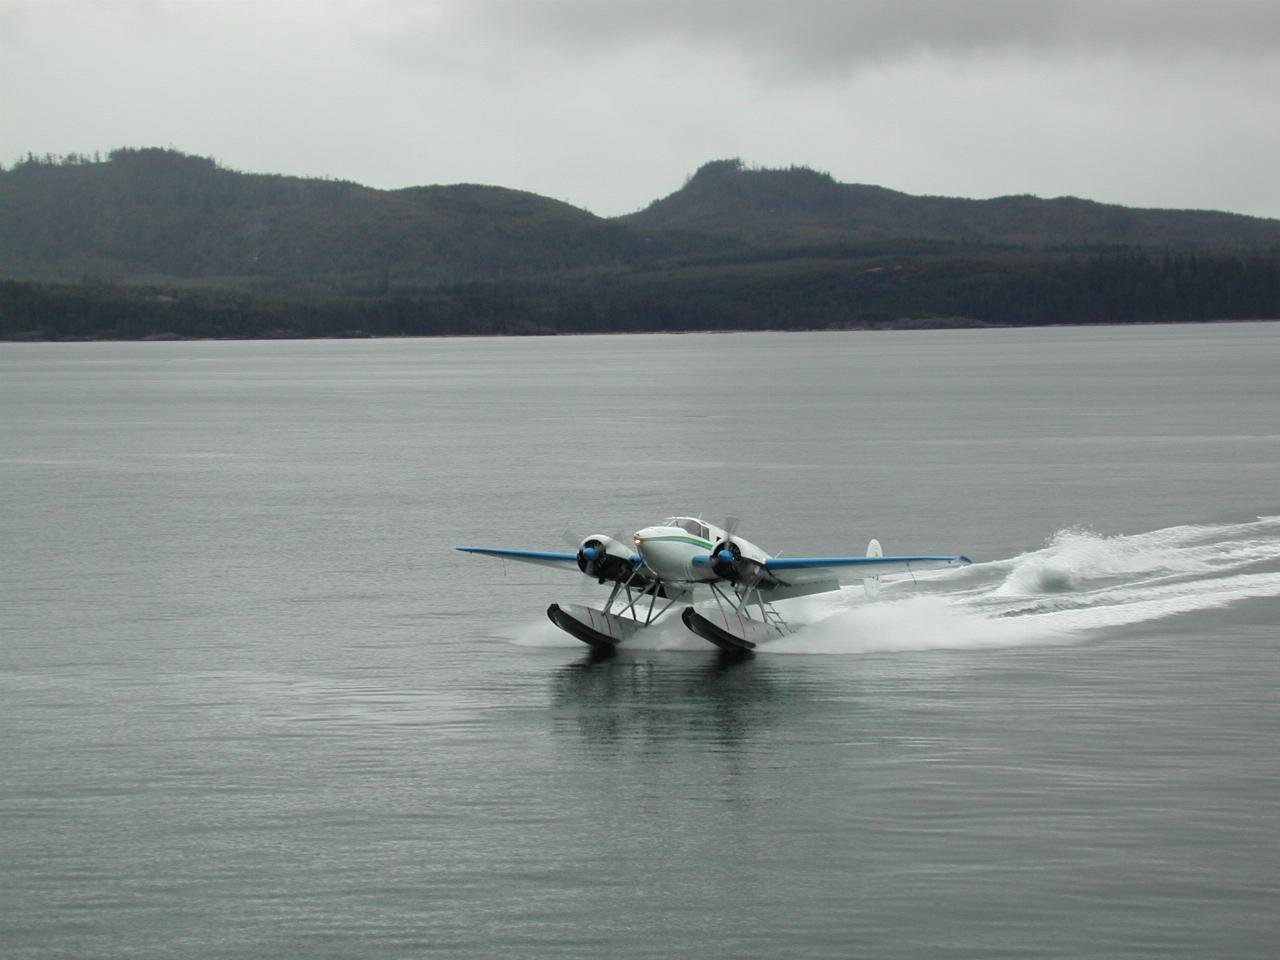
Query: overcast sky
<point>612,103</point>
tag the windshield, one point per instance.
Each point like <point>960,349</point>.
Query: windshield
<point>689,525</point>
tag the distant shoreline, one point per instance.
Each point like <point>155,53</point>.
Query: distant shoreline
<point>907,326</point>
<point>154,243</point>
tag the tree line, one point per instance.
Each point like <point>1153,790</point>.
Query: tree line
<point>1005,289</point>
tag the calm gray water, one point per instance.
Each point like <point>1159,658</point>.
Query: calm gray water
<point>253,705</point>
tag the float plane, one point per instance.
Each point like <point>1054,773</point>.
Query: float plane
<point>665,564</point>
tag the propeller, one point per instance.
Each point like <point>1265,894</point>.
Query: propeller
<point>728,562</point>
<point>591,557</point>
<point>725,554</point>
<point>724,560</point>
<point>594,558</point>
<point>731,526</point>
<point>572,538</point>
<point>590,552</point>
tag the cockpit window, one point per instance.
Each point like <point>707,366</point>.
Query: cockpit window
<point>689,526</point>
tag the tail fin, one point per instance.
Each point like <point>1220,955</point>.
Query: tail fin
<point>872,584</point>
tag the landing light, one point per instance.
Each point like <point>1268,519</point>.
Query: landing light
<point>639,540</point>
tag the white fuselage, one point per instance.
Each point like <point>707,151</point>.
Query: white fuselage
<point>678,549</point>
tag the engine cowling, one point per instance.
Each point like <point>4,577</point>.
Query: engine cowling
<point>726,560</point>
<point>729,563</point>
<point>605,559</point>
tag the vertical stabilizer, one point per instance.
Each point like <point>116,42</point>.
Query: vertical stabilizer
<point>872,584</point>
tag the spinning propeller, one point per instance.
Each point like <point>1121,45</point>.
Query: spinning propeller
<point>726,550</point>
<point>595,559</point>
<point>727,560</point>
<point>591,557</point>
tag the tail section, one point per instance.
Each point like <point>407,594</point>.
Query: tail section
<point>872,584</point>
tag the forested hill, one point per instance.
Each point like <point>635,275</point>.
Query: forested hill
<point>159,214</point>
<point>800,205</point>
<point>155,214</point>
<point>153,242</point>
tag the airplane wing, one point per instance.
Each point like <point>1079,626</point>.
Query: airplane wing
<point>800,569</point>
<point>541,557</point>
<point>801,576</point>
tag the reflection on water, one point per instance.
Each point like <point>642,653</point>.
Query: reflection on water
<point>614,698</point>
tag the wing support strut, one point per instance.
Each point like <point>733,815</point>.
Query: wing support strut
<point>737,631</point>
<point>604,628</point>
<point>650,590</point>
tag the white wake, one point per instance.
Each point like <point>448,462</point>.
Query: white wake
<point>1079,584</point>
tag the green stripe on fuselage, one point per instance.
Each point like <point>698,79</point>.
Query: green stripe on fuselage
<point>694,540</point>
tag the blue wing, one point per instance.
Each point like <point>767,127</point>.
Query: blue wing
<point>541,557</point>
<point>866,566</point>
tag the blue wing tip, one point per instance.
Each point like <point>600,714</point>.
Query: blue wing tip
<point>509,554</point>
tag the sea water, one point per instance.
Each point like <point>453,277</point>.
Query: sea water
<point>253,704</point>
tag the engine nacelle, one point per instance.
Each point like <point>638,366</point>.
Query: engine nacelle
<point>605,559</point>
<point>740,562</point>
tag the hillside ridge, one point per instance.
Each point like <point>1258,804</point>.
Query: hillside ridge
<point>798,204</point>
<point>156,243</point>
<point>152,214</point>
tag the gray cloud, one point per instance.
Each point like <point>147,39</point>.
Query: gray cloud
<point>822,35</point>
<point>611,103</point>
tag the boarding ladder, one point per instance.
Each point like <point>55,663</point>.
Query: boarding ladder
<point>770,615</point>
